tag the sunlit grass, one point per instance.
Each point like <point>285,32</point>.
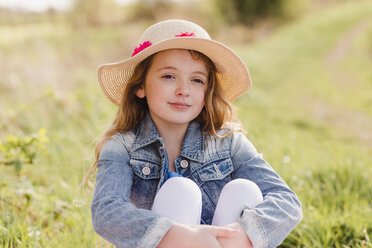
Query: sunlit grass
<point>313,129</point>
<point>307,125</point>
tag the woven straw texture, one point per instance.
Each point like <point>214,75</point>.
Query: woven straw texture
<point>232,74</point>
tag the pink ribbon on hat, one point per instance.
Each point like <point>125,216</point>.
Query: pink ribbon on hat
<point>146,44</point>
<point>141,47</point>
<point>185,34</point>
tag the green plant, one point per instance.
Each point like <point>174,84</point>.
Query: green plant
<point>17,151</point>
<point>245,12</point>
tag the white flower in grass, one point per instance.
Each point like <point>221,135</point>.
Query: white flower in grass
<point>34,234</point>
<point>3,229</point>
<point>286,159</point>
<point>78,203</point>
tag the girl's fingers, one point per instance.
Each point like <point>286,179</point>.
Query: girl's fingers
<point>223,232</point>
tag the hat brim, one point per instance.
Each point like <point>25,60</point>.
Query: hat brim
<point>232,73</point>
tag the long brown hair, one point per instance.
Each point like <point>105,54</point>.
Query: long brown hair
<point>215,115</point>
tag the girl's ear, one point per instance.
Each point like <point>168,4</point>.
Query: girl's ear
<point>140,92</point>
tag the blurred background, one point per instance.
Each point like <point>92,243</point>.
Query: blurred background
<point>309,112</point>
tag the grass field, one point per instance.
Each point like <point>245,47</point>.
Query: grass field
<point>309,113</point>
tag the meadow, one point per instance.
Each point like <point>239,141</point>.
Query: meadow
<point>309,113</point>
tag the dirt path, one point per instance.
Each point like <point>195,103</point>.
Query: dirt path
<point>354,124</point>
<point>341,49</point>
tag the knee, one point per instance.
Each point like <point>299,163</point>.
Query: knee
<point>243,187</point>
<point>180,200</point>
<point>242,184</point>
<point>235,196</point>
<point>182,186</point>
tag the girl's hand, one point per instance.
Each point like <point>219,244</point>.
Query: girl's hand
<point>199,236</point>
<point>239,241</point>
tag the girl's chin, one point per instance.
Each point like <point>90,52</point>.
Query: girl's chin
<point>175,117</point>
<point>180,120</point>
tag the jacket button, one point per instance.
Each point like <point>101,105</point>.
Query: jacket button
<point>184,164</point>
<point>146,170</point>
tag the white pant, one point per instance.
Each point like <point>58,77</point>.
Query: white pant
<point>180,199</point>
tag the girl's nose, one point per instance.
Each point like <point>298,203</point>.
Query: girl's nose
<point>182,88</point>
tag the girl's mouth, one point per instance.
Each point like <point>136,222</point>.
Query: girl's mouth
<point>179,105</point>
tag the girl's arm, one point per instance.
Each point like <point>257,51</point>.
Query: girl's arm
<point>241,240</point>
<point>114,217</point>
<point>199,236</point>
<point>117,220</point>
<point>269,223</point>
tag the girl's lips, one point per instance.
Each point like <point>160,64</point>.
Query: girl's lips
<point>179,105</point>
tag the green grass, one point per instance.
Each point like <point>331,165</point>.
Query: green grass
<point>315,130</point>
<point>310,116</point>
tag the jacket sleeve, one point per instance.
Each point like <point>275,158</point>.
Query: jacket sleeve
<point>114,217</point>
<point>269,223</point>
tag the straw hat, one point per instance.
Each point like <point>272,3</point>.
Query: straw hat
<point>232,73</point>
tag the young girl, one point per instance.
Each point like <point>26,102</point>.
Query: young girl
<point>173,169</point>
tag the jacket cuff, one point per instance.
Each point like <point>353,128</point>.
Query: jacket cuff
<point>155,232</point>
<point>253,228</point>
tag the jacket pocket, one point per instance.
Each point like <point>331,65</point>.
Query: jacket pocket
<point>211,178</point>
<point>215,170</point>
<point>145,181</point>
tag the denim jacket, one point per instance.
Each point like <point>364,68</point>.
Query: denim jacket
<point>132,166</point>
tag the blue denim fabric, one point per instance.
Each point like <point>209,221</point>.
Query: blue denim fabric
<point>124,194</point>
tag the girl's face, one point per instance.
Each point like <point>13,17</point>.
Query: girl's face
<point>175,87</point>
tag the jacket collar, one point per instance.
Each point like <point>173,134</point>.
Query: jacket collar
<point>192,146</point>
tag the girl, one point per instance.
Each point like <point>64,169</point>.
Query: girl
<point>173,169</point>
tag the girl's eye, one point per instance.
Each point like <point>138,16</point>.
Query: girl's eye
<point>168,76</point>
<point>198,80</point>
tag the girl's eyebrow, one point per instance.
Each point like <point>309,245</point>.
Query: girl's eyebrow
<point>202,73</point>
<point>174,68</point>
<point>166,68</point>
